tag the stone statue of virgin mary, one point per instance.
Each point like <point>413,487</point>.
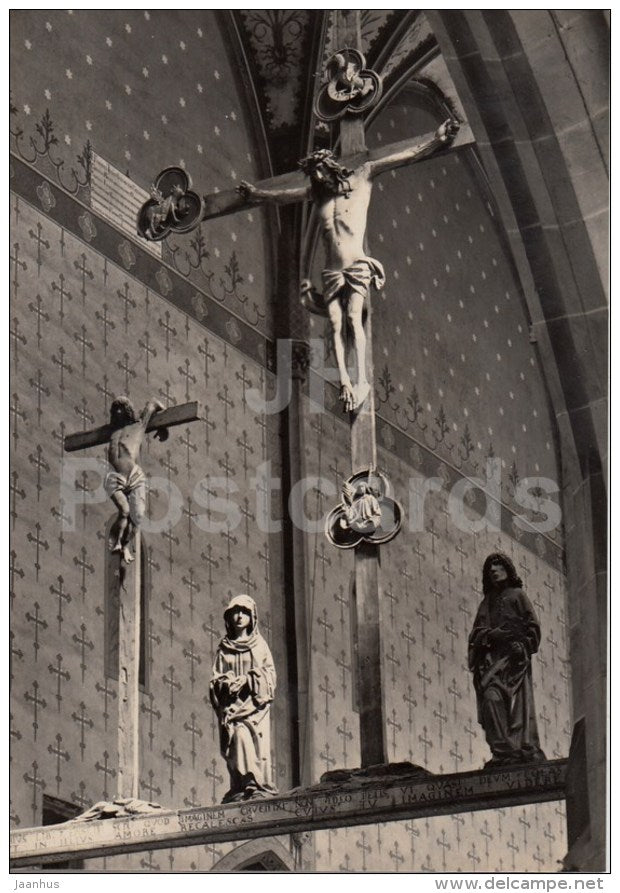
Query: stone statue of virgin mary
<point>242,688</point>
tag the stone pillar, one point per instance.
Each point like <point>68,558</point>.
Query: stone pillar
<point>534,86</point>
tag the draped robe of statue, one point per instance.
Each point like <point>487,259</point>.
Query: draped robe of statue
<point>503,675</point>
<point>245,740</point>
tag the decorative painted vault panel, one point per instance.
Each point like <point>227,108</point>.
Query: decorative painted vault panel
<point>170,106</point>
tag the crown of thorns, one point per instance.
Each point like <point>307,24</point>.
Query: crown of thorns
<point>315,157</point>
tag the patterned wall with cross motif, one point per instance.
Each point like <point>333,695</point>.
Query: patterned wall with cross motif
<point>93,314</point>
<point>83,330</point>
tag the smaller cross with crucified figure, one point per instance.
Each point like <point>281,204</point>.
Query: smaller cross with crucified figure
<point>341,197</point>
<point>126,483</point>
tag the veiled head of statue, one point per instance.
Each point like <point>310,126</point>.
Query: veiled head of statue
<point>245,603</point>
<point>499,558</point>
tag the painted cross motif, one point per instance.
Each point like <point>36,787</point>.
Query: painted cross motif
<point>426,742</point>
<point>84,723</point>
<point>396,727</point>
<point>60,754</point>
<point>169,331</point>
<point>393,661</point>
<point>456,755</point>
<point>411,703</point>
<point>425,680</point>
<point>174,685</point>
<point>107,693</point>
<point>64,367</point>
<point>37,460</point>
<point>82,801</point>
<point>324,688</point>
<point>173,760</point>
<point>41,315</point>
<point>15,492</point>
<point>245,382</point>
<point>34,699</point>
<point>409,638</point>
<point>84,643</point>
<point>84,566</point>
<point>85,272</point>
<point>107,324</point>
<point>203,349</point>
<point>37,783</point>
<point>323,622</point>
<point>441,717</point>
<point>456,696</point>
<point>17,415</point>
<point>212,630</point>
<point>326,757</point>
<point>193,659</point>
<point>107,771</point>
<point>61,676</point>
<point>128,302</point>
<point>188,443</point>
<point>19,264</point>
<point>40,390</point>
<point>62,294</point>
<point>345,668</point>
<point>149,352</point>
<point>346,735</point>
<point>151,789</point>
<point>215,778</point>
<point>152,715</point>
<point>248,516</point>
<point>194,731</point>
<point>38,622</point>
<point>172,612</point>
<point>15,653</point>
<point>246,447</point>
<point>193,588</point>
<point>14,571</point>
<point>126,366</point>
<point>212,564</point>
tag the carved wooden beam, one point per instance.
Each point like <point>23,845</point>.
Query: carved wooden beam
<point>167,418</point>
<point>389,797</point>
<point>229,201</point>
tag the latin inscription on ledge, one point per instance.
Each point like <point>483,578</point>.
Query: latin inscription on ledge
<point>374,800</point>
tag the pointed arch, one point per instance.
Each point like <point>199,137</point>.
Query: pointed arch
<point>264,854</point>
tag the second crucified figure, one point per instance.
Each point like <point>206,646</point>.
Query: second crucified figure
<point>342,197</point>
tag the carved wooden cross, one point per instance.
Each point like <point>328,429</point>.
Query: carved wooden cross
<point>180,210</point>
<point>129,612</point>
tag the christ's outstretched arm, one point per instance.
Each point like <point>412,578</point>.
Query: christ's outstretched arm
<point>279,196</point>
<point>443,136</point>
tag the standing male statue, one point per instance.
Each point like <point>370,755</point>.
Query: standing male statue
<point>342,197</point>
<point>505,634</point>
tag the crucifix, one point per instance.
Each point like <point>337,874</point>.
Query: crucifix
<point>340,189</point>
<point>126,486</point>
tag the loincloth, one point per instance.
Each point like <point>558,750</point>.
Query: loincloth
<point>358,276</point>
<point>133,485</point>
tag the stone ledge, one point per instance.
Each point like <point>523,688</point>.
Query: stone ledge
<point>374,795</point>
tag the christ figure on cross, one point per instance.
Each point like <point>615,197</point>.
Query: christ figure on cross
<point>126,484</point>
<point>342,197</point>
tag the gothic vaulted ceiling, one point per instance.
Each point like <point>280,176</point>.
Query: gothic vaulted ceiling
<point>284,53</point>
